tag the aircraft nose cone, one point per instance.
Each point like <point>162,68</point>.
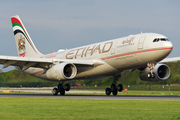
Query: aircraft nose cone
<point>168,45</point>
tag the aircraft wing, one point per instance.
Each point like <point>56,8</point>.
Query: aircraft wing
<point>27,62</point>
<point>174,59</point>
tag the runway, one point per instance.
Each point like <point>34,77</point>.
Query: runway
<point>102,97</point>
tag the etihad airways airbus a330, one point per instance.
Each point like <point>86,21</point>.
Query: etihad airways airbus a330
<point>109,58</point>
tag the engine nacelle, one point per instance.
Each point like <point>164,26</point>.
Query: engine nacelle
<point>160,71</point>
<point>62,71</point>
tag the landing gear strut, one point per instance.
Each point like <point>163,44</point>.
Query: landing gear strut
<point>151,74</point>
<point>113,88</point>
<point>60,88</point>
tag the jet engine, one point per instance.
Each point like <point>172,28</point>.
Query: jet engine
<point>61,71</point>
<point>159,73</point>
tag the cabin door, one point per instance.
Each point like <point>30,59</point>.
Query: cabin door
<point>141,42</point>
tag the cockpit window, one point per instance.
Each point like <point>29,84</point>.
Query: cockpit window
<point>155,40</point>
<point>160,39</point>
<point>163,39</point>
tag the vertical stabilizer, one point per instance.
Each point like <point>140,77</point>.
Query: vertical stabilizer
<point>24,44</point>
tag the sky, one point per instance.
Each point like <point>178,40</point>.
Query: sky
<point>61,24</point>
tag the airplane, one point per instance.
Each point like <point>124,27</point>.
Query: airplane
<point>142,51</point>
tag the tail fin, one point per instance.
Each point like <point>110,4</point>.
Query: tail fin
<point>24,44</point>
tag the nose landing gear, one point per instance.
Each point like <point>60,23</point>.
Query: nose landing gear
<point>151,74</point>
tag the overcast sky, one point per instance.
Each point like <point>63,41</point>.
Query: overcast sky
<point>59,24</point>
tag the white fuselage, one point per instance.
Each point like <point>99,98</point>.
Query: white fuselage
<point>130,52</point>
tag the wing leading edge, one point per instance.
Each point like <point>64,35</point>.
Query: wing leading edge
<point>166,60</point>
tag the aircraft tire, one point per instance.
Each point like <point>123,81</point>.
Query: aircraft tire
<point>108,91</point>
<point>120,87</point>
<point>67,87</point>
<point>60,86</point>
<point>113,87</point>
<point>55,91</point>
<point>62,91</point>
<point>115,92</point>
<point>149,75</point>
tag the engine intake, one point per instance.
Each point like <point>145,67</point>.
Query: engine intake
<point>160,71</point>
<point>62,71</point>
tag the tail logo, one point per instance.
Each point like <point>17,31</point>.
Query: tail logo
<point>21,47</point>
<point>19,28</point>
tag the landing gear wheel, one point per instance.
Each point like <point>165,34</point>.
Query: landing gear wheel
<point>60,86</point>
<point>67,87</point>
<point>113,87</point>
<point>120,87</point>
<point>115,92</point>
<point>62,92</point>
<point>108,91</point>
<point>149,75</point>
<point>61,89</point>
<point>55,91</point>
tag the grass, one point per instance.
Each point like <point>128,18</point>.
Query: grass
<point>129,93</point>
<point>135,93</point>
<point>83,109</point>
<point>150,93</point>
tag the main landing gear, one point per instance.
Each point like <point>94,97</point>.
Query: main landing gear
<point>60,88</point>
<point>114,89</point>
